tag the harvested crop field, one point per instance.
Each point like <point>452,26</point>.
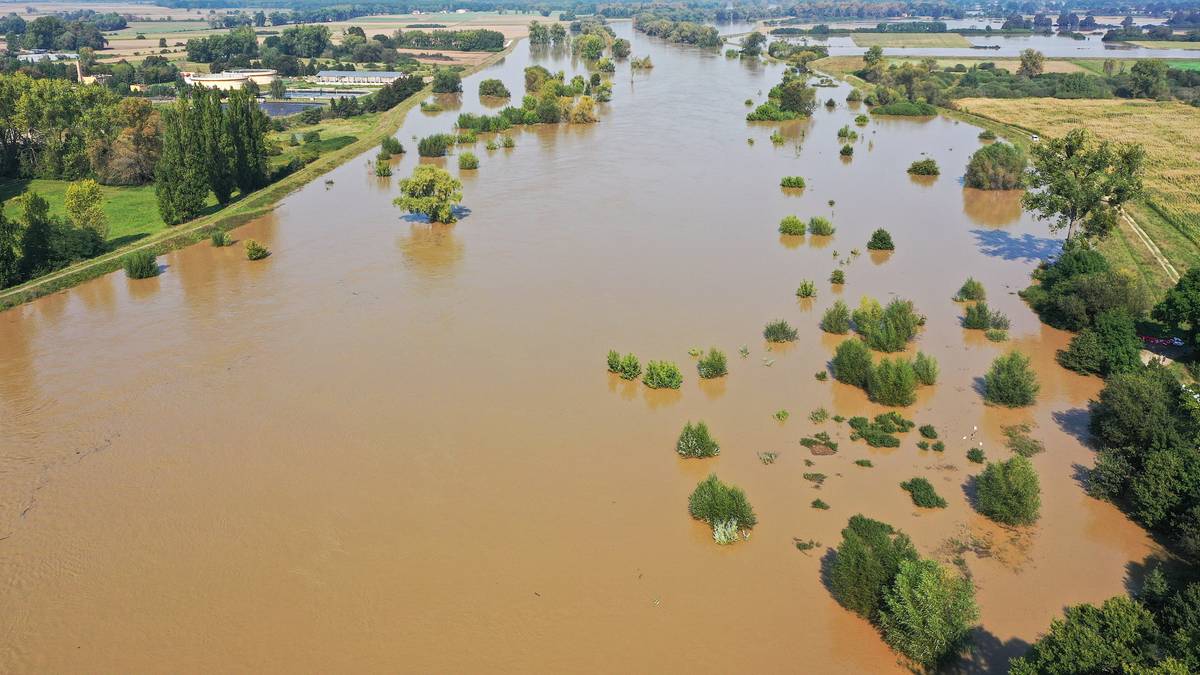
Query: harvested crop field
<point>910,40</point>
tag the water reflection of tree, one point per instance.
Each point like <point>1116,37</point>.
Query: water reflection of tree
<point>433,251</point>
<point>993,208</point>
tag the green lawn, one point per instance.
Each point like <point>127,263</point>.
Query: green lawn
<point>132,211</point>
<point>1166,44</point>
<point>1097,65</point>
<point>910,40</point>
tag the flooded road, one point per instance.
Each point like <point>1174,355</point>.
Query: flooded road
<point>394,447</point>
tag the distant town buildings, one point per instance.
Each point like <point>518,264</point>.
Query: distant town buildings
<point>231,79</point>
<point>358,77</point>
<point>36,55</point>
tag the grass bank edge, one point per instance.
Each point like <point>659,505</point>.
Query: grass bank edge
<point>236,214</point>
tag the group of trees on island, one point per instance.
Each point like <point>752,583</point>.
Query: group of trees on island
<point>658,23</point>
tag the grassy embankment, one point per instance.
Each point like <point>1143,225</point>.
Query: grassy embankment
<point>1166,44</point>
<point>896,40</point>
<point>365,132</point>
<point>1170,132</point>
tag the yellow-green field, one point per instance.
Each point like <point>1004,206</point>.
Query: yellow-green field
<point>1170,132</point>
<point>910,40</point>
<point>1166,44</point>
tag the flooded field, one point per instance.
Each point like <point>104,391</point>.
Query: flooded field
<point>394,447</point>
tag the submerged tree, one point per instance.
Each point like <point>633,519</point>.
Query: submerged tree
<point>430,191</point>
<point>1079,183</point>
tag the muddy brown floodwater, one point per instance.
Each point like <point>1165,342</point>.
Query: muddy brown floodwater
<point>394,447</point>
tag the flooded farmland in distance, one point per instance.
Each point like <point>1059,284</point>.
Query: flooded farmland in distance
<point>394,446</point>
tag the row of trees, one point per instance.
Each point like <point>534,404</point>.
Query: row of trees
<point>55,32</point>
<point>34,242</point>
<point>684,32</point>
<point>207,146</point>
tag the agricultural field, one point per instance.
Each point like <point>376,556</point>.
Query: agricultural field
<point>949,40</point>
<point>1166,44</point>
<point>1170,132</point>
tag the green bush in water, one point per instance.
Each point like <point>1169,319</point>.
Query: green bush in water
<point>715,502</point>
<point>1008,492</point>
<point>837,277</point>
<point>712,364</point>
<point>847,150</point>
<point>435,145</point>
<point>892,382</point>
<point>971,290</point>
<point>220,238</point>
<point>852,363</point>
<point>1011,381</point>
<point>881,240</point>
<point>695,441</point>
<point>791,225</point>
<point>662,375</point>
<point>393,145</point>
<point>255,250</point>
<point>867,560</point>
<point>924,167</point>
<point>836,319</point>
<point>820,226</point>
<point>791,182</point>
<point>141,265</point>
<point>923,494</point>
<point>807,289</point>
<point>926,369</point>
<point>779,331</point>
<point>468,160</point>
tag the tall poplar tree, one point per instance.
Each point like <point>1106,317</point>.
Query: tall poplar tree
<point>218,147</point>
<point>181,179</point>
<point>35,239</point>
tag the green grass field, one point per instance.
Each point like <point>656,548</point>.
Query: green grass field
<point>910,40</point>
<point>1097,65</point>
<point>156,28</point>
<point>132,211</point>
<point>1166,44</point>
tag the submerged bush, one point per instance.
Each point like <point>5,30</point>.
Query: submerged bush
<point>494,88</point>
<point>987,135</point>
<point>468,160</point>
<point>905,109</point>
<point>662,375</point>
<point>928,613</point>
<point>715,502</point>
<point>791,182</point>
<point>1011,382</point>
<point>837,277</point>
<point>779,331</point>
<point>392,145</point>
<point>220,238</point>
<point>627,367</point>
<point>928,431</point>
<point>435,145</point>
<point>971,290</point>
<point>852,363</point>
<point>712,364</point>
<point>836,319</point>
<point>926,369</point>
<point>695,441</point>
<point>854,96</point>
<point>255,250</point>
<point>980,317</point>
<point>881,240</point>
<point>866,561</point>
<point>924,167</point>
<point>923,494</point>
<point>889,329</point>
<point>976,456</point>
<point>807,289</point>
<point>892,382</point>
<point>820,226</point>
<point>1008,492</point>
<point>998,166</point>
<point>141,265</point>
<point>847,150</point>
<point>1109,346</point>
<point>862,120</point>
<point>879,433</point>
<point>791,225</point>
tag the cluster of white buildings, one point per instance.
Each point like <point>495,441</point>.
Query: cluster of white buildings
<point>231,79</point>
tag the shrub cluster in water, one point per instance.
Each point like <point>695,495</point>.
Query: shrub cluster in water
<point>1008,492</point>
<point>435,145</point>
<point>141,265</point>
<point>494,88</point>
<point>880,432</point>
<point>468,160</point>
<point>887,329</point>
<point>922,609</point>
<point>791,182</point>
<point>255,250</point>
<point>924,167</point>
<point>923,494</point>
<point>392,145</point>
<point>1109,346</point>
<point>662,375</point>
<point>695,441</point>
<point>627,367</point>
<point>724,507</point>
<point>881,240</point>
<point>1073,291</point>
<point>1011,381</point>
<point>980,317</point>
<point>792,226</point>
<point>807,289</point>
<point>998,166</point>
<point>837,318</point>
<point>779,331</point>
<point>905,109</point>
<point>971,290</point>
<point>820,226</point>
<point>712,364</point>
